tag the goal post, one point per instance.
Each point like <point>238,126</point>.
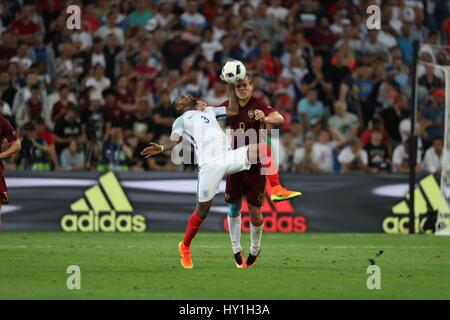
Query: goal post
<point>443,214</point>
<point>443,209</point>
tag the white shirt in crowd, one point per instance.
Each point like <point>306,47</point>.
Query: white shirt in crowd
<point>209,48</point>
<point>84,37</point>
<point>432,162</point>
<point>104,31</point>
<point>193,20</point>
<point>279,13</point>
<point>347,156</point>
<point>321,155</point>
<point>401,156</point>
<point>98,85</point>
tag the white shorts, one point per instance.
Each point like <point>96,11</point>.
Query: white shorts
<point>212,173</point>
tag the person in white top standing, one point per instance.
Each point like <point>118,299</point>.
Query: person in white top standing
<point>216,159</point>
<point>433,160</point>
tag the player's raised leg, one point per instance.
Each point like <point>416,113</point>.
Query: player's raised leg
<point>193,225</point>
<point>278,192</point>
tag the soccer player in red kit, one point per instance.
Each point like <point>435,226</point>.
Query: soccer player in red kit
<point>253,114</point>
<point>6,132</point>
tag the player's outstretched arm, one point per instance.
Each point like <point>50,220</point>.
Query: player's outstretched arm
<point>154,148</point>
<point>14,147</point>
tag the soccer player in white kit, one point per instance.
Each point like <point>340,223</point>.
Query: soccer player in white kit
<point>214,154</point>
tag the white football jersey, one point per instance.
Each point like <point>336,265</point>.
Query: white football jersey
<point>203,131</point>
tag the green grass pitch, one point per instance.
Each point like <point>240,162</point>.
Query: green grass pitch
<point>291,266</point>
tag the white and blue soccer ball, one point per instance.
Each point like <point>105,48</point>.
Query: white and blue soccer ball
<point>233,72</point>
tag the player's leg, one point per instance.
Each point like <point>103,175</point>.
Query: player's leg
<point>238,160</point>
<point>209,178</point>
<point>233,196</point>
<point>193,225</point>
<point>278,192</point>
<point>255,198</point>
<point>256,229</point>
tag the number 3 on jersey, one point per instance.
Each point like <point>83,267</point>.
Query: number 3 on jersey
<point>205,118</point>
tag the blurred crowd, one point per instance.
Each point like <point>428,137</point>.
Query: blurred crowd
<point>90,99</point>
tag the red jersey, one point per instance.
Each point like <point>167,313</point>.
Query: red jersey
<point>6,132</point>
<point>246,118</point>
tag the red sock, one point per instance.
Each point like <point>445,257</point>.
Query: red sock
<point>193,225</point>
<point>274,179</point>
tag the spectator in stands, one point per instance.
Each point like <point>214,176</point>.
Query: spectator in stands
<point>111,27</point>
<point>429,80</point>
<point>343,125</point>
<point>375,124</point>
<point>400,158</point>
<point>116,154</point>
<point>45,134</point>
<point>353,158</point>
<point>67,127</point>
<point>72,157</point>
<point>310,108</point>
<point>319,79</point>
<point>61,106</point>
<point>33,155</point>
<point>163,116</point>
<point>32,108</point>
<point>434,157</point>
<point>393,116</point>
<point>432,117</point>
<point>303,157</point>
<point>377,153</point>
<point>24,26</point>
<point>98,80</point>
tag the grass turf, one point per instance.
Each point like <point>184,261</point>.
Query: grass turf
<point>291,266</point>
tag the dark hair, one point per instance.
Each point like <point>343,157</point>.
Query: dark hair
<point>28,127</point>
<point>64,86</point>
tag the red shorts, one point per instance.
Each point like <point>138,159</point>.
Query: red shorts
<point>249,183</point>
<point>3,191</point>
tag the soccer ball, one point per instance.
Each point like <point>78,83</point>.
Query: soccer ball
<point>233,72</point>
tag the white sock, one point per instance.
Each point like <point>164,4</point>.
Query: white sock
<point>255,238</point>
<point>234,225</point>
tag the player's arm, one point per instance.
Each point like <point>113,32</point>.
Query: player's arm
<point>233,102</point>
<point>175,138</point>
<point>14,147</point>
<point>274,117</point>
<point>155,148</point>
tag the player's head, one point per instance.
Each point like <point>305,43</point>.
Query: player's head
<point>244,89</point>
<point>185,103</point>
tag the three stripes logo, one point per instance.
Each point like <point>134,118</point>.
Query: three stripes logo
<point>104,208</point>
<point>428,198</point>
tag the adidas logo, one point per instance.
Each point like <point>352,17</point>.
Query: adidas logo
<point>278,217</point>
<point>104,208</point>
<point>427,198</point>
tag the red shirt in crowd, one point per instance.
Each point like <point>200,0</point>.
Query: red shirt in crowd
<point>24,28</point>
<point>367,135</point>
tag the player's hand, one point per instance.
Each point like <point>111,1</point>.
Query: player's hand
<point>151,150</point>
<point>259,115</point>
